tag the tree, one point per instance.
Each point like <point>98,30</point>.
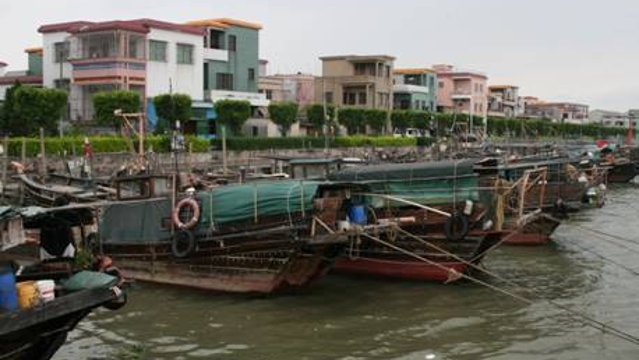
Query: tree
<point>375,119</point>
<point>172,107</point>
<point>9,117</point>
<point>352,119</point>
<point>32,108</point>
<point>315,115</point>
<point>233,113</point>
<point>401,119</point>
<point>284,115</point>
<point>105,103</point>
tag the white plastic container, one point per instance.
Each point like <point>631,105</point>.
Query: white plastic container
<point>46,289</point>
<point>343,226</point>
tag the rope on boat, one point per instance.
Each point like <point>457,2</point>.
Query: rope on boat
<point>611,236</point>
<point>583,318</point>
<point>574,243</point>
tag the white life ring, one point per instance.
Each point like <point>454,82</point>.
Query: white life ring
<point>195,210</point>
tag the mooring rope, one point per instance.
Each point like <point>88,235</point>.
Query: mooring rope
<point>574,243</point>
<point>585,319</point>
<point>611,236</point>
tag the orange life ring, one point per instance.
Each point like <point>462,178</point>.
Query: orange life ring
<point>195,210</point>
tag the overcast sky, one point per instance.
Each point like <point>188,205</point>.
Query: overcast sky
<point>565,50</point>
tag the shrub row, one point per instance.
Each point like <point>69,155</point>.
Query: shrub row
<point>240,143</point>
<point>99,144</point>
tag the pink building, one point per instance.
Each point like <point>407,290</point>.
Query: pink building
<point>461,91</point>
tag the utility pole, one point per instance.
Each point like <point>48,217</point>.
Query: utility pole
<point>60,86</point>
<point>389,126</point>
<point>325,111</point>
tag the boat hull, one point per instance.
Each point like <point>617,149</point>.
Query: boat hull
<point>402,269</point>
<point>536,229</point>
<point>446,261</point>
<point>38,333</point>
<point>274,268</point>
<point>622,173</point>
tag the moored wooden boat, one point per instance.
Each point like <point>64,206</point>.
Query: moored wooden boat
<point>64,295</point>
<point>254,238</point>
<point>435,206</point>
<point>621,172</point>
<point>533,229</point>
<point>447,265</point>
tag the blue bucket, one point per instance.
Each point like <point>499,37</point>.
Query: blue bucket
<point>8,294</point>
<point>357,215</point>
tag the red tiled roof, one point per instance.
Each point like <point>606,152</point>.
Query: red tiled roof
<point>24,79</point>
<point>31,50</point>
<point>138,25</point>
<point>65,26</point>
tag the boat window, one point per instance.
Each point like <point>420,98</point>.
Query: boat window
<point>134,189</point>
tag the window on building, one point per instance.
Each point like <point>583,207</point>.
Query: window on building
<point>206,76</point>
<point>232,43</point>
<point>362,98</point>
<point>184,54</point>
<point>61,51</point>
<point>441,84</point>
<point>366,69</point>
<point>349,98</point>
<point>157,50</point>
<point>62,84</point>
<point>269,94</point>
<point>216,39</point>
<point>251,74</point>
<point>328,97</point>
<point>224,81</point>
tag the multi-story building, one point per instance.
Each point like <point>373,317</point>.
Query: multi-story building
<point>32,76</point>
<point>144,55</point>
<point>462,91</point>
<point>558,111</point>
<point>503,101</point>
<point>608,118</point>
<point>415,89</point>
<point>230,59</point>
<point>297,88</point>
<point>355,80</point>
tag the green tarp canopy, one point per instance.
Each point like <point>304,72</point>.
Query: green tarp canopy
<point>404,172</point>
<point>433,183</point>
<point>145,221</point>
<point>227,204</point>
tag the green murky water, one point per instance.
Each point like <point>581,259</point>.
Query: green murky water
<point>354,318</point>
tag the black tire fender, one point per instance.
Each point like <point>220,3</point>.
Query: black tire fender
<point>183,244</point>
<point>456,227</point>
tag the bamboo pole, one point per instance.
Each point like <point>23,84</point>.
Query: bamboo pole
<point>23,159</point>
<point>43,160</point>
<point>5,163</point>
<point>224,164</point>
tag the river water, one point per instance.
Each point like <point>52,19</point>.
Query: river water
<point>354,318</point>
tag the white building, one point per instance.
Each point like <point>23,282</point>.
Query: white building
<point>613,118</point>
<point>148,56</point>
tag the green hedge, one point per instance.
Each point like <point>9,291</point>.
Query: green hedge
<point>244,143</point>
<point>99,144</point>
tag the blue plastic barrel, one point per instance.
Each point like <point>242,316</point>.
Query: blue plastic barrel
<point>8,294</point>
<point>357,214</point>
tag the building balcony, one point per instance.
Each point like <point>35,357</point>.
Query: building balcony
<point>410,89</point>
<point>215,54</point>
<point>461,95</point>
<point>109,71</point>
<point>256,99</point>
<point>358,79</point>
